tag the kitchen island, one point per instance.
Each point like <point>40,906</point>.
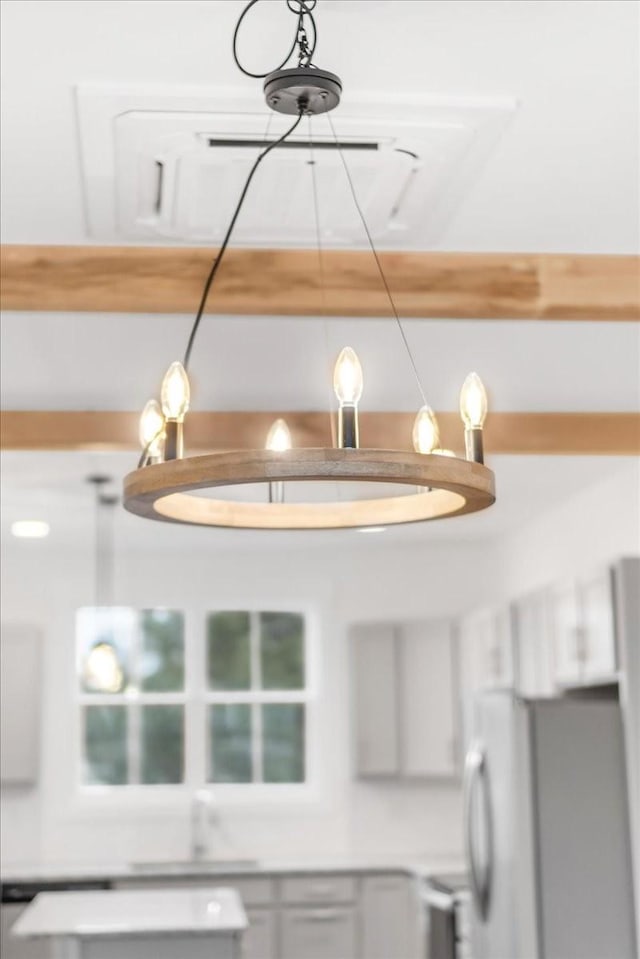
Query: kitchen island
<point>202,923</point>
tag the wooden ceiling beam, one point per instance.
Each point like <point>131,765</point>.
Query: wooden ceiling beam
<point>531,286</point>
<point>606,434</point>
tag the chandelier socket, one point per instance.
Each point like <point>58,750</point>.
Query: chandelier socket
<point>473,445</point>
<point>348,432</point>
<point>302,89</point>
<point>174,442</point>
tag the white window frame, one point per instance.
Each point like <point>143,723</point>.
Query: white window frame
<point>195,699</point>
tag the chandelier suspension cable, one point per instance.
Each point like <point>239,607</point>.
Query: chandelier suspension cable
<point>218,260</point>
<point>316,212</point>
<point>302,8</point>
<point>377,259</point>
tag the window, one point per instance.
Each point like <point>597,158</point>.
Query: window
<point>132,695</point>
<point>142,691</point>
<point>256,697</point>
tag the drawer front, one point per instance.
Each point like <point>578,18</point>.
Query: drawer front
<point>253,892</point>
<point>259,941</point>
<point>320,933</point>
<point>318,889</point>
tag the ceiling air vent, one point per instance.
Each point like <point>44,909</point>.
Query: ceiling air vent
<point>175,175</point>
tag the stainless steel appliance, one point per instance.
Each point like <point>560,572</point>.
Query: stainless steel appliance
<point>547,830</point>
<point>446,903</point>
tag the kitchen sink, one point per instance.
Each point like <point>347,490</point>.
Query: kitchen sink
<point>186,867</point>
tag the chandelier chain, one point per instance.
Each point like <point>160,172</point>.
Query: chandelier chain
<point>306,49</point>
<point>218,260</point>
<point>377,259</point>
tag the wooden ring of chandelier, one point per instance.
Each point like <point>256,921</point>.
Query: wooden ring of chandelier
<point>448,486</point>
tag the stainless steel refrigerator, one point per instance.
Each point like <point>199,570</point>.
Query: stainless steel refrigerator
<point>547,830</point>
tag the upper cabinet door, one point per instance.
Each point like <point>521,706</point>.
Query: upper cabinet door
<point>427,711</point>
<point>598,633</point>
<point>532,646</point>
<point>20,698</point>
<point>566,634</point>
<point>500,648</point>
<point>374,665</point>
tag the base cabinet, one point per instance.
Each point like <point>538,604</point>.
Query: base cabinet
<point>259,941</point>
<point>319,933</point>
<point>389,918</point>
<point>368,915</point>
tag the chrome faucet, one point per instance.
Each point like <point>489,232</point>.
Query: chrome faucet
<point>203,816</point>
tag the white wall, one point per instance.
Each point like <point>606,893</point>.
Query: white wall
<point>594,526</point>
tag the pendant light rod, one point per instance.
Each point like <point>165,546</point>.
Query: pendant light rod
<point>103,564</point>
<point>377,259</point>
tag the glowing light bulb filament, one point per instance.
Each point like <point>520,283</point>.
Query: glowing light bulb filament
<point>175,395</point>
<point>473,410</point>
<point>348,383</point>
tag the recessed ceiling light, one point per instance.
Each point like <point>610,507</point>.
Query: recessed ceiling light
<point>30,529</point>
<point>372,529</point>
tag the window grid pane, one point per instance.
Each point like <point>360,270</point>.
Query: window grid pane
<point>230,751</point>
<point>284,743</point>
<point>161,661</point>
<point>282,650</point>
<point>228,650</point>
<point>105,745</point>
<point>162,744</point>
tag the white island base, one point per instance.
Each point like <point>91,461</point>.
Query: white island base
<point>138,924</point>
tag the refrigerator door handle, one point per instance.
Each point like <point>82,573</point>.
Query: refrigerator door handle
<point>475,778</point>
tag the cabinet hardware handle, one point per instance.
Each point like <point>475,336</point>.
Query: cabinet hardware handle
<point>320,915</point>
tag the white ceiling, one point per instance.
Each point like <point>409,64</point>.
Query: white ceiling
<point>564,177</point>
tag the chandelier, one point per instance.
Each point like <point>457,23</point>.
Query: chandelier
<point>428,482</point>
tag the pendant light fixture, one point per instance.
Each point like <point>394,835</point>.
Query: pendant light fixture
<point>101,668</point>
<point>431,482</point>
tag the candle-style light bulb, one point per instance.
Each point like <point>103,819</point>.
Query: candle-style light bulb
<point>151,431</point>
<point>426,435</point>
<point>278,441</point>
<point>473,410</point>
<point>347,377</point>
<point>347,383</point>
<point>278,437</point>
<point>473,402</point>
<point>175,396</point>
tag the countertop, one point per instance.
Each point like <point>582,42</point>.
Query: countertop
<point>139,912</point>
<point>417,865</point>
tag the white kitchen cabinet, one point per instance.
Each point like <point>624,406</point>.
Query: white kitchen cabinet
<point>389,918</point>
<point>374,663</point>
<point>404,699</point>
<point>485,645</point>
<point>599,648</point>
<point>533,658</point>
<point>582,630</point>
<point>20,654</point>
<point>259,941</point>
<point>319,933</point>
<point>427,718</point>
<point>565,631</point>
